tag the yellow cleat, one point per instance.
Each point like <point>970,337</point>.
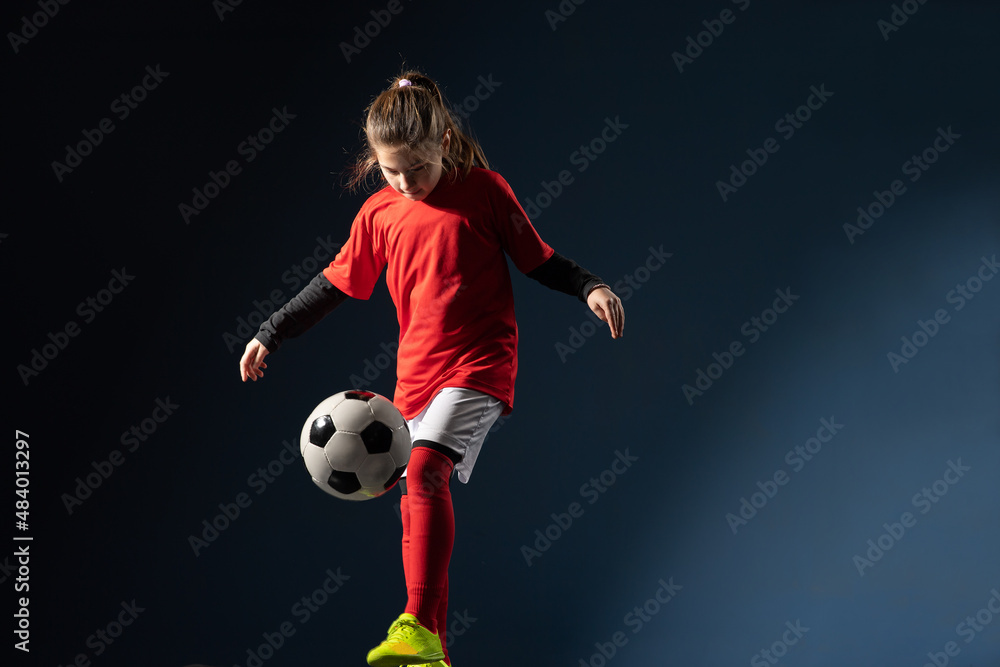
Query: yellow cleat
<point>408,643</point>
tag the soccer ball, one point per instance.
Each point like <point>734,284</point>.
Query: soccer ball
<point>355,445</point>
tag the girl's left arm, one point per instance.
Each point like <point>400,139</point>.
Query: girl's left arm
<point>564,275</point>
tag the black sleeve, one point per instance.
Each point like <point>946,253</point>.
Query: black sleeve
<point>564,275</point>
<point>305,309</point>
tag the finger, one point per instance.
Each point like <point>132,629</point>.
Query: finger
<point>613,321</point>
<point>610,319</point>
<point>245,362</point>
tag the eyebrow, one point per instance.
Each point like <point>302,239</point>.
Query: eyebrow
<point>409,168</point>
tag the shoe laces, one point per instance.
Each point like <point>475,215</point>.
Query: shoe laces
<point>401,629</point>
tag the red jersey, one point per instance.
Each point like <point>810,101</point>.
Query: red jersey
<point>447,275</point>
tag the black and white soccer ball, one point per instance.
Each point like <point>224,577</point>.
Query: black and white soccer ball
<point>355,445</point>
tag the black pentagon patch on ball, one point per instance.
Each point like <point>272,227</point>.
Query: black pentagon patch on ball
<point>359,395</point>
<point>322,430</point>
<point>377,438</point>
<point>344,482</point>
<point>394,478</point>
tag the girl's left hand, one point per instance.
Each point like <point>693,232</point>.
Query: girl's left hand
<point>608,308</point>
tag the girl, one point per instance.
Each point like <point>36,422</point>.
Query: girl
<point>441,226</point>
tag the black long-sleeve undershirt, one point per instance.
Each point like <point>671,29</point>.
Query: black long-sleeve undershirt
<point>301,313</point>
<point>564,275</point>
<point>318,299</point>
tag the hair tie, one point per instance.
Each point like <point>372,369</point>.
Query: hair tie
<point>405,82</point>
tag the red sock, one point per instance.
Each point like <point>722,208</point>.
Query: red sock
<point>431,534</point>
<point>442,620</point>
<point>404,512</point>
<point>442,614</point>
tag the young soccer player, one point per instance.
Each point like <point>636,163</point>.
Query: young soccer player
<point>440,228</point>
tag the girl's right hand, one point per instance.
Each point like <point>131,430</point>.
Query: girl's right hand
<point>252,363</point>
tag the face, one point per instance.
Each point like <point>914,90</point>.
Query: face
<point>409,175</point>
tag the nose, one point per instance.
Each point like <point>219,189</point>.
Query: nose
<point>405,181</point>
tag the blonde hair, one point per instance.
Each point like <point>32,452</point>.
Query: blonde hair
<point>414,116</point>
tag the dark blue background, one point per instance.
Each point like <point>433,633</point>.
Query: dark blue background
<point>654,186</point>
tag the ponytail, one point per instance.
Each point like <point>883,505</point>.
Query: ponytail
<point>414,116</point>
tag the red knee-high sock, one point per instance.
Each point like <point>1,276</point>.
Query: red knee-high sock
<point>431,533</point>
<point>442,620</point>
<point>442,613</point>
<point>404,513</point>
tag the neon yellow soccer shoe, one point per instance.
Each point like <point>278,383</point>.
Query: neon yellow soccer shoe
<point>408,643</point>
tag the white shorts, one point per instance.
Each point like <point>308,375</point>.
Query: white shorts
<point>457,418</point>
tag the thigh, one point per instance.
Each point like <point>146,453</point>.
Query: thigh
<point>458,418</point>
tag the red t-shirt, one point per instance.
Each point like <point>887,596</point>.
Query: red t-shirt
<point>447,274</point>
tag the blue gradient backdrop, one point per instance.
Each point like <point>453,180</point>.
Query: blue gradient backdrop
<point>659,567</point>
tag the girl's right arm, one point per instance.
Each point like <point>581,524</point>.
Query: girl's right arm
<point>305,309</point>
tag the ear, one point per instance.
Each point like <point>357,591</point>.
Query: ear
<point>446,142</point>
